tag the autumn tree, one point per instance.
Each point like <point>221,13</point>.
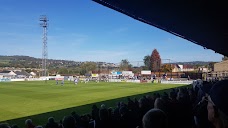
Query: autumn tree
<point>155,61</point>
<point>147,62</point>
<point>125,65</point>
<point>166,68</point>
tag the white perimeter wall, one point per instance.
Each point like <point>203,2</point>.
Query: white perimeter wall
<point>176,82</point>
<point>119,80</point>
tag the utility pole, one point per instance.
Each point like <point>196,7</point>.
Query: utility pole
<point>44,25</point>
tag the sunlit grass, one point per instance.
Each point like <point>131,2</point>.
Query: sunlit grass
<point>23,99</point>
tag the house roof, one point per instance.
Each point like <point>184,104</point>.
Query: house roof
<point>5,71</point>
<point>175,66</point>
<point>202,22</point>
<point>188,66</point>
<point>22,73</point>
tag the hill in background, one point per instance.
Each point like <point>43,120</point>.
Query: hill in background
<point>31,62</point>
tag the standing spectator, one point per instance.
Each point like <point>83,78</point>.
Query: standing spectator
<point>218,104</point>
<point>95,113</point>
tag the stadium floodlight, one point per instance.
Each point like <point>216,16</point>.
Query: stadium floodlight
<point>44,25</point>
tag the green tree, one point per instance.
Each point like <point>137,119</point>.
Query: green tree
<point>137,70</point>
<point>147,62</point>
<point>155,61</point>
<point>125,65</point>
<point>77,70</point>
<point>63,71</point>
<point>87,67</point>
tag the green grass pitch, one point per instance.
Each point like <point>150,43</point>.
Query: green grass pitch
<point>39,100</point>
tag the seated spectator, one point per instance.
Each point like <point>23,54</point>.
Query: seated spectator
<point>4,125</point>
<point>84,121</point>
<point>14,126</point>
<point>155,118</point>
<point>39,126</point>
<point>159,104</point>
<point>29,124</point>
<point>218,104</point>
<point>69,122</point>
<point>51,123</point>
<point>126,118</point>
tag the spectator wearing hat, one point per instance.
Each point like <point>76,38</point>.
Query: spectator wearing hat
<point>218,104</point>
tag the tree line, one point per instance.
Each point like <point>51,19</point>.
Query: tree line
<point>152,62</point>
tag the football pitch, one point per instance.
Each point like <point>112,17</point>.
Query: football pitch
<point>29,98</point>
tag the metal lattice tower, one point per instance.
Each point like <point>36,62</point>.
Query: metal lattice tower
<point>44,25</point>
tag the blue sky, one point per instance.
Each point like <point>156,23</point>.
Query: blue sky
<point>83,30</point>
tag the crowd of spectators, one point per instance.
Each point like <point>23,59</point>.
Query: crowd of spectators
<point>204,105</point>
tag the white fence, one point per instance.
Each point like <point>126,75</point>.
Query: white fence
<point>133,81</point>
<point>176,82</point>
<point>119,80</point>
<point>34,79</point>
<point>26,79</point>
<point>17,79</point>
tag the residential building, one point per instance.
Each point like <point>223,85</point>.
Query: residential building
<point>182,68</point>
<point>220,69</point>
<point>8,74</point>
